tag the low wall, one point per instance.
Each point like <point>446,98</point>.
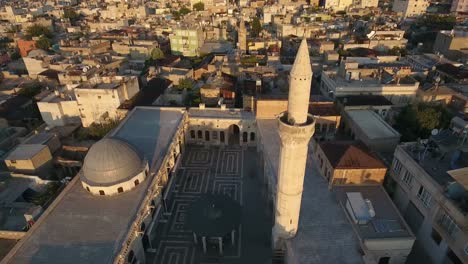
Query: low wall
<point>5,234</point>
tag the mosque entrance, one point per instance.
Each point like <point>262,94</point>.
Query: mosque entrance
<point>234,135</point>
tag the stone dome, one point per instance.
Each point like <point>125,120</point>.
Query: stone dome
<point>111,161</point>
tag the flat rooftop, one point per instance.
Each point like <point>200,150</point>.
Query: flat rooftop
<point>82,228</point>
<point>25,151</point>
<point>324,234</point>
<point>371,124</point>
<point>218,113</point>
<point>435,163</point>
<point>406,81</point>
<point>387,222</point>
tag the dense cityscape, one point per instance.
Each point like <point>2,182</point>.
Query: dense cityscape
<point>250,131</point>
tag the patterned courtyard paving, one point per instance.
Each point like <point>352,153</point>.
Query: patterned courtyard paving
<point>231,171</point>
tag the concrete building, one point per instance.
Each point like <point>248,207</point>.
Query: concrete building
<point>343,163</point>
<point>242,37</point>
<point>99,98</point>
<point>451,40</point>
<point>383,234</point>
<point>368,127</point>
<point>376,103</point>
<point>28,158</point>
<point>296,127</point>
<point>59,109</point>
<point>429,190</point>
<point>338,5</point>
<point>410,8</point>
<point>187,41</point>
<point>365,3</point>
<point>459,6</point>
<point>359,75</point>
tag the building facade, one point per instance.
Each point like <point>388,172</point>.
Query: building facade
<point>187,41</point>
<point>410,8</point>
<point>424,196</point>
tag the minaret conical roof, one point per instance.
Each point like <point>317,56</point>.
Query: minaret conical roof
<point>301,66</point>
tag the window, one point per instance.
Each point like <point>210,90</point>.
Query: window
<point>424,196</point>
<point>407,179</point>
<point>13,161</point>
<point>252,136</point>
<point>436,236</point>
<point>214,135</point>
<point>192,134</point>
<point>120,190</point>
<point>199,134</point>
<point>396,166</point>
<point>77,95</point>
<point>101,192</point>
<point>99,97</point>
<point>384,260</point>
<point>207,135</point>
<point>446,221</point>
<point>137,182</point>
<point>221,136</point>
<point>87,188</point>
<point>244,137</point>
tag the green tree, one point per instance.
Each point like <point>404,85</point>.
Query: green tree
<point>185,84</point>
<point>70,14</point>
<point>97,131</point>
<point>256,27</point>
<point>176,14</point>
<point>417,121</point>
<point>200,6</point>
<point>183,11</point>
<point>43,43</point>
<point>157,54</point>
<point>38,30</point>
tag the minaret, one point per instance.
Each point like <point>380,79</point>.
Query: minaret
<point>295,127</point>
<point>242,36</point>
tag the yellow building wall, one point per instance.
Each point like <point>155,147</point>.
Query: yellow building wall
<point>359,176</point>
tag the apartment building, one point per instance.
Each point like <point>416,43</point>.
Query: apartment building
<point>187,41</point>
<point>99,98</point>
<point>451,40</point>
<point>410,8</point>
<point>430,192</point>
<point>459,6</point>
<point>368,76</point>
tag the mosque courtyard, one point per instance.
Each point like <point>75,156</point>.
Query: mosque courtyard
<point>231,171</point>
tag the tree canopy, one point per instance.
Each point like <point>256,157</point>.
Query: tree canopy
<point>43,43</point>
<point>417,121</point>
<point>435,22</point>
<point>182,12</point>
<point>200,6</point>
<point>157,54</point>
<point>70,14</point>
<point>38,30</point>
<point>185,84</point>
<point>256,27</point>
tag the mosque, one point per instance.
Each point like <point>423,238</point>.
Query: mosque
<point>130,201</point>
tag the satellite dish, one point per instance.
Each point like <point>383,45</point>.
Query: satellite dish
<point>434,132</point>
